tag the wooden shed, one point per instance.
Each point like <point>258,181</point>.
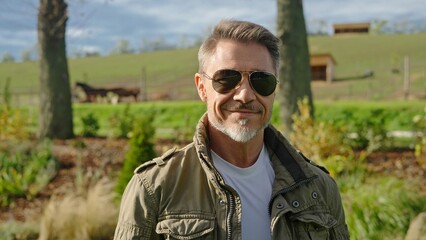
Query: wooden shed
<point>351,28</point>
<point>322,67</point>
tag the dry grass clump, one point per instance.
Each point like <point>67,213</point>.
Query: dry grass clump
<point>89,216</point>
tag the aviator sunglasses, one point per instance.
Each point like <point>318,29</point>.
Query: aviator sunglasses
<point>225,80</point>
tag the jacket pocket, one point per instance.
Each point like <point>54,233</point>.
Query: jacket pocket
<point>313,225</point>
<point>186,227</point>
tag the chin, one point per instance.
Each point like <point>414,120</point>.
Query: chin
<point>240,133</point>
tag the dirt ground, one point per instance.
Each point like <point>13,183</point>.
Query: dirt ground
<point>105,156</point>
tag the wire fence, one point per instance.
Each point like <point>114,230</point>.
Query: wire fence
<point>405,82</point>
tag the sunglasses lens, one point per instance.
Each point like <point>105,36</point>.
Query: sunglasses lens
<point>226,80</point>
<point>264,83</point>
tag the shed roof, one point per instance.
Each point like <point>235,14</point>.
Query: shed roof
<point>321,59</point>
<point>351,25</point>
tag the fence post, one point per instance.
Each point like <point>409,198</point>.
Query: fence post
<point>424,94</point>
<point>144,93</point>
<point>406,86</point>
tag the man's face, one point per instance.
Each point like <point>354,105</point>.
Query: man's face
<point>242,112</point>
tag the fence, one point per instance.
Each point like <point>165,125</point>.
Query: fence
<point>406,80</point>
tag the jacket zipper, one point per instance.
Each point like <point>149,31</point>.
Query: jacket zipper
<point>231,205</point>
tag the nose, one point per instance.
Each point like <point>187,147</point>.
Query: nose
<point>243,92</point>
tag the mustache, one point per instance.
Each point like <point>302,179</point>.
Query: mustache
<point>243,106</point>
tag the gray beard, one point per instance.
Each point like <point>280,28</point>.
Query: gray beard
<point>240,134</point>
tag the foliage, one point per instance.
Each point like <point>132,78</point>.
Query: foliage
<point>185,133</point>
<point>370,132</point>
<point>12,122</point>
<point>320,141</point>
<point>122,47</point>
<point>368,123</point>
<point>7,57</point>
<point>419,122</point>
<point>90,125</point>
<point>7,94</point>
<point>376,207</point>
<point>141,149</point>
<point>380,208</point>
<point>182,116</point>
<point>13,230</point>
<point>86,216</point>
<point>24,172</point>
<point>122,123</point>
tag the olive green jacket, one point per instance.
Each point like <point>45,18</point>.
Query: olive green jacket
<point>181,195</point>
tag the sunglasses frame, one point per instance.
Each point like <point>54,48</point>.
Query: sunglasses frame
<point>241,80</point>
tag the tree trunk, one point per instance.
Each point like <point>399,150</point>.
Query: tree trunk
<point>295,73</point>
<point>55,119</point>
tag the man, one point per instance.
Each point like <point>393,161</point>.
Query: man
<point>239,178</point>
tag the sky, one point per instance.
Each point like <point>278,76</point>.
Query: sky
<point>98,25</point>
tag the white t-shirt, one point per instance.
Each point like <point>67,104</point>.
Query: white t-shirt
<point>254,186</point>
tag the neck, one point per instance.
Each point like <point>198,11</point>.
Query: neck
<point>240,154</point>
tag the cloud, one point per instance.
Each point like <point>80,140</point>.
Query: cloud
<point>89,49</point>
<point>362,10</point>
<point>78,32</point>
<point>23,38</point>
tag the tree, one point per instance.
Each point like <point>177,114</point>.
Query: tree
<point>317,27</point>
<point>294,71</point>
<point>26,55</point>
<point>378,26</point>
<point>7,57</point>
<point>55,119</point>
<point>122,47</point>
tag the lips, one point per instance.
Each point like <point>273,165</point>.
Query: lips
<point>243,108</point>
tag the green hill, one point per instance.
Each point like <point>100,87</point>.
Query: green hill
<point>171,72</point>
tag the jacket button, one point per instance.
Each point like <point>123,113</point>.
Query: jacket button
<point>295,204</point>
<point>280,206</point>
<point>222,202</point>
<point>314,195</point>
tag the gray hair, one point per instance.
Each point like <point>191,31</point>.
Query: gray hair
<point>241,31</point>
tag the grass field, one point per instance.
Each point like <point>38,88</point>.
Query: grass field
<point>171,117</point>
<point>171,72</point>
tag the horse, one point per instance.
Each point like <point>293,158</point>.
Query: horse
<point>125,92</point>
<point>91,92</point>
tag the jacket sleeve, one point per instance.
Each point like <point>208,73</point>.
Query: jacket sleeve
<point>334,202</point>
<point>340,231</point>
<point>137,212</point>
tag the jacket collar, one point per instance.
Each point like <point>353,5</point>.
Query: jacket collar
<point>289,165</point>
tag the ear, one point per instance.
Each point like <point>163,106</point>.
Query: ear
<point>199,83</point>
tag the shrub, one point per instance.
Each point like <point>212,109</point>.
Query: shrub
<point>183,133</point>
<point>13,230</point>
<point>89,216</point>
<point>23,173</point>
<point>380,208</point>
<point>122,123</point>
<point>7,96</point>
<point>370,131</point>
<point>13,124</point>
<point>419,122</point>
<point>90,125</point>
<point>141,149</point>
<point>320,141</point>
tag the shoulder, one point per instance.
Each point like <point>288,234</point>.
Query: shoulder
<point>314,164</point>
<point>167,160</point>
<point>325,179</point>
<point>159,161</point>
